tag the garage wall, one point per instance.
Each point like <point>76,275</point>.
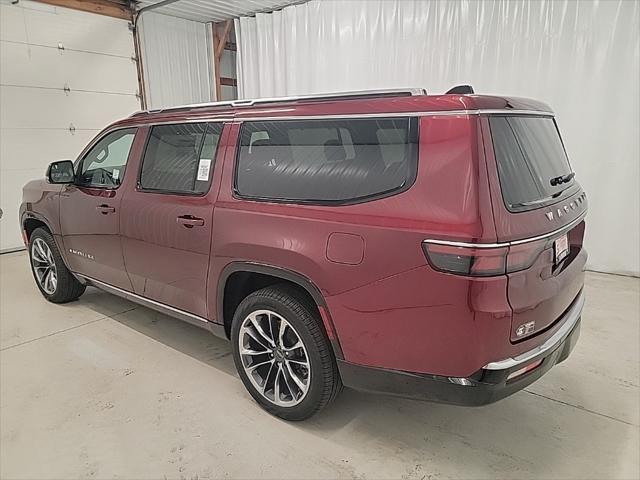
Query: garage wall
<point>580,57</point>
<point>42,50</point>
<point>176,58</point>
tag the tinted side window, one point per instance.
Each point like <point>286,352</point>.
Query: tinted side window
<point>179,158</point>
<point>104,164</point>
<point>326,160</point>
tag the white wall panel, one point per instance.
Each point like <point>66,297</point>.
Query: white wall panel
<point>176,56</point>
<point>60,145</point>
<point>580,57</point>
<point>40,24</point>
<point>101,73</point>
<point>36,112</point>
<point>93,110</point>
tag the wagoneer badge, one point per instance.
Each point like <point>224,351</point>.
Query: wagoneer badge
<point>525,329</point>
<point>81,254</point>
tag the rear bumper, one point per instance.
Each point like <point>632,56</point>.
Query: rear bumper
<point>487,385</point>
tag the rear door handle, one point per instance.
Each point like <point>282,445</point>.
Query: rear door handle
<point>190,221</point>
<point>104,209</point>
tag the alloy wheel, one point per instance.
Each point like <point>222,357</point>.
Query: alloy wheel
<point>274,358</point>
<point>44,266</point>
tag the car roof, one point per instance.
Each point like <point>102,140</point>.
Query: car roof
<point>373,103</point>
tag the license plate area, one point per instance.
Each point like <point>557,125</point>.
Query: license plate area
<point>561,249</point>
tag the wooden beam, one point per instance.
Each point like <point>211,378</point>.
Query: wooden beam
<point>219,42</point>
<point>229,82</point>
<point>216,63</point>
<point>110,8</point>
<point>139,67</point>
<point>223,38</point>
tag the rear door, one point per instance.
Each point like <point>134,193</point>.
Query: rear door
<point>540,207</point>
<point>166,222</point>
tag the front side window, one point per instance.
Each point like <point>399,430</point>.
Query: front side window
<point>105,163</point>
<point>179,158</point>
<point>326,160</point>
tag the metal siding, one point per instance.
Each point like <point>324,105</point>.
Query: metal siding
<point>217,10</point>
<point>176,56</point>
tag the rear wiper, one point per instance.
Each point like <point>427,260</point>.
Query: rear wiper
<point>562,179</point>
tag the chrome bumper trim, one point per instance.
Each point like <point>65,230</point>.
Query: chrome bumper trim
<point>570,320</point>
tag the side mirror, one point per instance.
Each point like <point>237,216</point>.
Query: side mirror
<point>61,172</point>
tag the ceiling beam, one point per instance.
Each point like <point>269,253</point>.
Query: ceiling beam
<point>153,6</point>
<point>110,8</point>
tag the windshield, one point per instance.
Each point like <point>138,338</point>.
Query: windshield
<point>532,163</point>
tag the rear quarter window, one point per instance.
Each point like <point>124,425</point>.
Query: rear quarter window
<point>326,161</point>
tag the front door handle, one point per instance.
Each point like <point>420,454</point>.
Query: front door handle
<point>190,221</point>
<point>105,209</point>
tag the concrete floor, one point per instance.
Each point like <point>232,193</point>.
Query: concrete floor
<point>101,388</point>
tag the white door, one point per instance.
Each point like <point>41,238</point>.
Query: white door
<point>64,75</point>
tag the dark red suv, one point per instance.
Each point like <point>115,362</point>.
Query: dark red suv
<point>427,246</point>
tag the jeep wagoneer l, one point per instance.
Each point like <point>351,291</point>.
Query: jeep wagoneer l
<point>427,246</point>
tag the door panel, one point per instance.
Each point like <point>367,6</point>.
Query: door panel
<point>90,209</point>
<point>167,261</point>
<point>90,236</point>
<point>166,234</point>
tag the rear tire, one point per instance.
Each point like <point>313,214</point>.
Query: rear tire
<point>282,353</point>
<point>56,283</point>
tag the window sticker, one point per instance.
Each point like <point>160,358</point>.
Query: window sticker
<point>115,174</point>
<point>203,169</point>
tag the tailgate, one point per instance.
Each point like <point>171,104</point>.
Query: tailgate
<point>539,208</point>
<point>541,294</point>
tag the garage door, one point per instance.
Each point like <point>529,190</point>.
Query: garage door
<point>64,75</point>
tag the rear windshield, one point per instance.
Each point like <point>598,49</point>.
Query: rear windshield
<point>530,155</point>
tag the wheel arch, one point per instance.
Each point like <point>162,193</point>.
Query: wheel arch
<point>226,303</point>
<point>31,221</point>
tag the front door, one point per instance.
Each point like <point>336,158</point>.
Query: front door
<point>166,223</point>
<point>90,210</point>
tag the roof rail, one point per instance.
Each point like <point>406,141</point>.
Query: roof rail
<point>406,92</point>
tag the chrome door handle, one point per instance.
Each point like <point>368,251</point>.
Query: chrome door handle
<point>105,209</point>
<point>190,221</point>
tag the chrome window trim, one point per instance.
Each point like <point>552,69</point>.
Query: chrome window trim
<point>238,116</point>
<point>436,113</point>
<point>450,243</point>
<point>506,111</point>
<point>570,318</point>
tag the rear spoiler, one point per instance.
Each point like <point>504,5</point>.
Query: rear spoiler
<point>460,90</point>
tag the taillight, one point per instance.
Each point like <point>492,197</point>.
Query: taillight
<point>473,261</point>
<point>522,256</point>
<point>479,260</point>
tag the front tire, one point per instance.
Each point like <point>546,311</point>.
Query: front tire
<point>56,283</point>
<point>282,354</point>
